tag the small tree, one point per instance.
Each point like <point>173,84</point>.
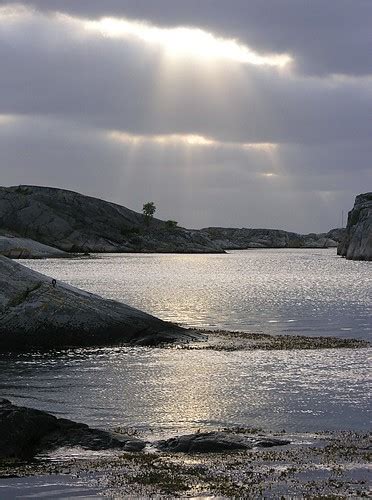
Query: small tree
<point>171,224</point>
<point>148,210</point>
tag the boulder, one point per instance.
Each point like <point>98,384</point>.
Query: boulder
<point>36,312</point>
<point>216,442</point>
<point>357,244</point>
<point>26,431</point>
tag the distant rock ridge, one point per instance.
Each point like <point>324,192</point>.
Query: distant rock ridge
<point>244,238</point>
<point>36,312</point>
<point>357,244</point>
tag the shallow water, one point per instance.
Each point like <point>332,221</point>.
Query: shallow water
<point>168,391</point>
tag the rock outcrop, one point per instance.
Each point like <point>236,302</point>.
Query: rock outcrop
<point>240,239</point>
<point>23,248</point>
<point>357,244</point>
<point>35,312</point>
<point>215,442</point>
<point>25,432</point>
<point>73,222</point>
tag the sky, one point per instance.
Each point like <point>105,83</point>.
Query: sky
<point>234,113</point>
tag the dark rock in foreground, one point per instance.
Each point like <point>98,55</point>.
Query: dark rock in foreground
<point>357,244</point>
<point>35,313</point>
<point>25,432</point>
<point>215,442</point>
<point>76,223</point>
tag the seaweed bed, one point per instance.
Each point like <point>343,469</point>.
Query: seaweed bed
<point>223,340</point>
<point>321,465</point>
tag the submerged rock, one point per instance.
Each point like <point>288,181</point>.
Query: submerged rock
<point>37,312</point>
<point>26,431</point>
<point>357,244</point>
<point>215,442</point>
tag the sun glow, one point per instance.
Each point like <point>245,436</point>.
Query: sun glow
<point>7,119</point>
<point>190,140</point>
<point>167,139</point>
<point>186,42</point>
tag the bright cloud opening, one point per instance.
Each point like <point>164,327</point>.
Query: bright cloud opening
<point>187,140</point>
<point>186,42</point>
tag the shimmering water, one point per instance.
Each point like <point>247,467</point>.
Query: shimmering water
<point>310,292</point>
<point>172,391</point>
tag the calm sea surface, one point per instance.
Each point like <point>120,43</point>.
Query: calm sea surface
<point>309,292</point>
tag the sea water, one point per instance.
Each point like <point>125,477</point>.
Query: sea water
<point>168,391</point>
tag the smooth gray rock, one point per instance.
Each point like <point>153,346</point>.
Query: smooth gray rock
<point>26,431</point>
<point>244,238</point>
<point>25,248</point>
<point>73,222</point>
<point>215,442</point>
<point>36,314</point>
<point>357,244</point>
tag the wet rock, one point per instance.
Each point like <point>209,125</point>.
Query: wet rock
<point>357,244</point>
<point>36,312</point>
<point>216,442</point>
<point>26,431</point>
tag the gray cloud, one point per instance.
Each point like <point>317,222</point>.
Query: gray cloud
<point>331,36</point>
<point>68,88</point>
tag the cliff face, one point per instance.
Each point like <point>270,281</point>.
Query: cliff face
<point>73,222</point>
<point>37,313</point>
<point>231,238</point>
<point>357,244</point>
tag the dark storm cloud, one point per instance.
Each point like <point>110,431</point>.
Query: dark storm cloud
<point>325,36</point>
<point>63,90</point>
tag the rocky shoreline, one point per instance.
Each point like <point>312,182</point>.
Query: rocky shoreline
<point>235,462</point>
<point>36,312</point>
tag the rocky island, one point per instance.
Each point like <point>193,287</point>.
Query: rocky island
<point>36,312</point>
<point>357,244</point>
<point>70,222</point>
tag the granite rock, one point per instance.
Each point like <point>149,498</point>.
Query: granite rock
<point>357,244</point>
<point>216,442</point>
<point>244,238</point>
<point>35,313</point>
<point>73,222</point>
<point>26,431</point>
<point>24,248</point>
